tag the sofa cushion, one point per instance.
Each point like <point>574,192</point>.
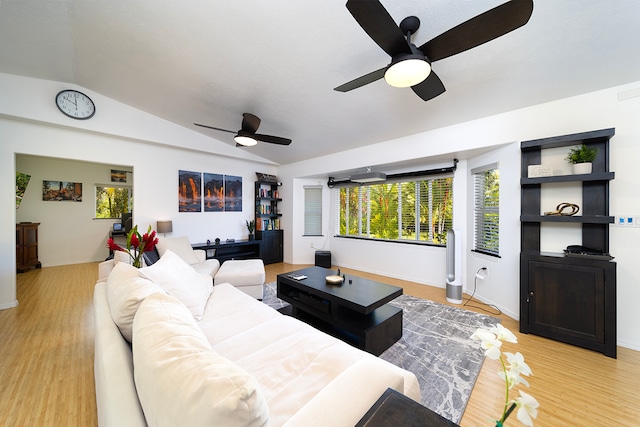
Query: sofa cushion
<point>179,246</point>
<point>179,279</point>
<point>125,291</point>
<point>181,380</point>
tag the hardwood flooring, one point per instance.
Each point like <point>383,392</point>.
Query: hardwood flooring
<point>46,361</point>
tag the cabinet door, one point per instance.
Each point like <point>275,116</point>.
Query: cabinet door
<point>31,245</point>
<point>566,302</point>
<point>272,247</point>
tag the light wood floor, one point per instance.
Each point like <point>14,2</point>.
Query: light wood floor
<point>46,361</point>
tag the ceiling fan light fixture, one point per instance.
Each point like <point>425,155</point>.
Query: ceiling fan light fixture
<point>407,70</point>
<point>247,141</point>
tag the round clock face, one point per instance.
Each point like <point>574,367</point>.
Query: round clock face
<point>75,104</point>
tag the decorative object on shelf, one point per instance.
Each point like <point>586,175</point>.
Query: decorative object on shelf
<point>565,209</point>
<point>164,227</point>
<point>536,171</point>
<point>513,371</point>
<point>251,226</point>
<point>581,158</point>
<point>136,245</point>
<point>265,177</point>
<point>75,104</point>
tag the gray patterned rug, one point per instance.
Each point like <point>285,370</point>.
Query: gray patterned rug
<point>435,346</point>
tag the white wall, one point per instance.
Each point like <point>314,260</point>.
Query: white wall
<point>583,113</point>
<point>32,127</point>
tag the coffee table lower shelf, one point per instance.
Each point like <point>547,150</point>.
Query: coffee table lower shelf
<point>373,333</point>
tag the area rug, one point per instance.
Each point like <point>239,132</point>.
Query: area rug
<point>435,346</point>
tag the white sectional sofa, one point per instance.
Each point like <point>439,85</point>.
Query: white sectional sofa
<point>213,355</point>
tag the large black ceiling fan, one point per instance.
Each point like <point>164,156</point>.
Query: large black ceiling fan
<point>411,65</point>
<point>247,135</point>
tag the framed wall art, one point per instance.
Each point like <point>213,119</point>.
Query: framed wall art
<point>232,193</point>
<point>189,191</point>
<point>61,191</point>
<point>213,192</point>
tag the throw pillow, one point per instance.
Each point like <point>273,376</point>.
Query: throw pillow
<point>125,291</point>
<point>179,279</point>
<point>181,380</point>
<point>179,246</point>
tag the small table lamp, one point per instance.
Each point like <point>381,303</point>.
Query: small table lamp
<point>165,227</point>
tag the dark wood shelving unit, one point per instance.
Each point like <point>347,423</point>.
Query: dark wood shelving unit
<point>569,298</point>
<point>267,217</point>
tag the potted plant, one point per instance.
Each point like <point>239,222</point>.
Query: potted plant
<point>251,226</point>
<point>581,158</point>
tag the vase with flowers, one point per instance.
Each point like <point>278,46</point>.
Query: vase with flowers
<point>137,244</point>
<point>514,369</point>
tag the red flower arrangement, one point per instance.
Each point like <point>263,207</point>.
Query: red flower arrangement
<point>136,244</point>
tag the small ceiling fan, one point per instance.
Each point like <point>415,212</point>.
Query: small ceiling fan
<point>411,65</point>
<point>247,135</point>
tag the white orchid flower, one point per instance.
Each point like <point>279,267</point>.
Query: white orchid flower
<point>489,342</point>
<point>517,363</point>
<point>503,334</point>
<point>527,408</point>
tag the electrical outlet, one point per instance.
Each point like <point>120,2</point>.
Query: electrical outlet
<point>311,245</point>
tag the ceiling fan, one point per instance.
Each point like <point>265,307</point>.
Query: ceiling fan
<point>247,135</point>
<point>411,65</point>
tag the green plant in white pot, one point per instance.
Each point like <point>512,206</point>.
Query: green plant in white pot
<point>581,158</point>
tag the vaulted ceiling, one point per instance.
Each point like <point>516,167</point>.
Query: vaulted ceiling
<point>210,61</point>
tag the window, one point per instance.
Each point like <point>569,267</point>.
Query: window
<point>112,202</point>
<point>408,211</point>
<point>313,210</point>
<point>486,210</point>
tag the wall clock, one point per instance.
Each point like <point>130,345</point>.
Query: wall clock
<point>75,104</point>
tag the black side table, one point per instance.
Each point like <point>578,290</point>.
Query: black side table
<point>394,409</point>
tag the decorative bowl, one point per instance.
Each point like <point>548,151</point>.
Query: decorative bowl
<point>334,279</point>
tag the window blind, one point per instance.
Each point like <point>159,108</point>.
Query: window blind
<point>313,210</point>
<point>416,210</point>
<point>486,211</point>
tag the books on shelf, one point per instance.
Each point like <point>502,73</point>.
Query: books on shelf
<point>268,224</point>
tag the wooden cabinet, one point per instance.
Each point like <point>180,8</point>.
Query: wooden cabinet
<point>27,246</point>
<point>569,298</point>
<point>267,216</point>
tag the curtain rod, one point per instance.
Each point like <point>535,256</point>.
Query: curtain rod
<point>332,182</point>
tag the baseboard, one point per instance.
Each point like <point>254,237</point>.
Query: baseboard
<point>9,305</point>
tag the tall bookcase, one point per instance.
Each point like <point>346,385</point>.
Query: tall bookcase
<point>569,298</point>
<point>267,216</point>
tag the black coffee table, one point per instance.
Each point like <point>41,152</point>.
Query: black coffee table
<point>355,311</point>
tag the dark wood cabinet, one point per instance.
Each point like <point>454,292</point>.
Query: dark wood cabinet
<point>27,246</point>
<point>271,246</point>
<point>569,298</point>
<point>267,217</point>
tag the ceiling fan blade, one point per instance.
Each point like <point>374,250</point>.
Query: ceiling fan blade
<point>362,80</point>
<point>429,88</point>
<point>272,139</point>
<point>379,25</point>
<point>250,123</point>
<point>478,30</point>
<point>211,127</point>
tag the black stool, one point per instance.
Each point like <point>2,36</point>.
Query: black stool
<point>323,259</point>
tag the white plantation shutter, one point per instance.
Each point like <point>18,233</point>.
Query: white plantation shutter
<point>313,210</point>
<point>486,210</point>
